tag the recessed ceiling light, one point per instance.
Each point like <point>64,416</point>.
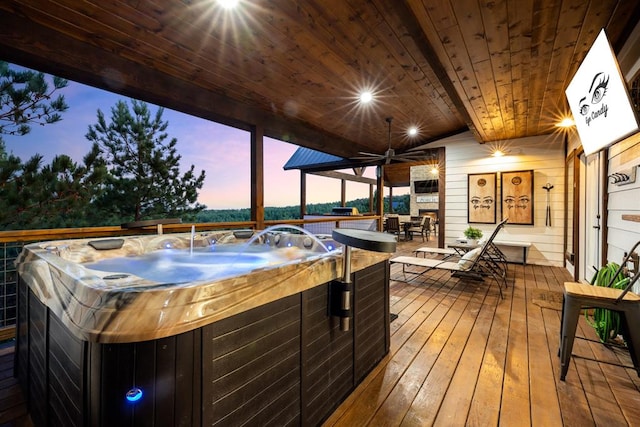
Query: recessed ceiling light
<point>498,153</point>
<point>567,122</point>
<point>228,4</point>
<point>413,131</point>
<point>366,97</point>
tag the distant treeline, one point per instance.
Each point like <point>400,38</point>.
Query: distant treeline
<point>401,205</point>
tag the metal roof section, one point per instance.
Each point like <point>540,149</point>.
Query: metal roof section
<point>307,159</point>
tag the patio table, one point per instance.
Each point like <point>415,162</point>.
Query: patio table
<point>463,248</point>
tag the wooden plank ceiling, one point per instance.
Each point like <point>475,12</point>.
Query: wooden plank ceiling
<point>295,68</point>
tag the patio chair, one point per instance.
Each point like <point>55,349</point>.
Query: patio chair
<point>393,226</point>
<point>424,229</point>
<point>484,261</point>
<point>433,218</point>
<point>580,296</point>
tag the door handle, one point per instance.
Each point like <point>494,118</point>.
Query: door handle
<point>596,227</point>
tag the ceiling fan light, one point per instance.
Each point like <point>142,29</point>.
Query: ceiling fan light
<point>390,155</point>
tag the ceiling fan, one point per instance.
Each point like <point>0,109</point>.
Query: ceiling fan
<point>390,155</point>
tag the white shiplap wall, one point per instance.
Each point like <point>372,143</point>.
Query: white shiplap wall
<point>623,200</point>
<point>544,154</point>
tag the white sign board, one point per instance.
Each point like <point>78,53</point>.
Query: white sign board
<point>426,199</point>
<point>599,100</point>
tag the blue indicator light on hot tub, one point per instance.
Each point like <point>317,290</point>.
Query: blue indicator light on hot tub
<point>289,244</point>
<point>134,394</point>
<point>167,245</point>
<point>330,247</point>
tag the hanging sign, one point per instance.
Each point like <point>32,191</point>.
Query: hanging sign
<point>599,100</point>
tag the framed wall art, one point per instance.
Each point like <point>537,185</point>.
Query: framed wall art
<point>482,198</point>
<point>517,196</point>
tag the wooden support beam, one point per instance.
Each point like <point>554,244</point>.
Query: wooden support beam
<point>442,176</point>
<point>370,198</point>
<point>380,201</point>
<point>344,176</point>
<point>257,176</point>
<point>303,194</point>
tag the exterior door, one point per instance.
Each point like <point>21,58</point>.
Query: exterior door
<point>591,190</point>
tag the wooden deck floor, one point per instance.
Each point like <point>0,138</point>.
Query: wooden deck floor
<point>13,408</point>
<point>461,356</point>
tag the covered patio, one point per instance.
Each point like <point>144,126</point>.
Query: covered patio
<point>462,356</point>
<point>470,77</point>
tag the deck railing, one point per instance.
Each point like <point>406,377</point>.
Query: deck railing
<point>12,242</point>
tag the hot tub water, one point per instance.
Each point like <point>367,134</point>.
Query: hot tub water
<point>271,247</point>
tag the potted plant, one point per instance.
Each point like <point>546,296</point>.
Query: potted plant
<point>473,235</point>
<point>606,322</point>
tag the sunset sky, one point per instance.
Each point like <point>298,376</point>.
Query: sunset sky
<point>221,151</point>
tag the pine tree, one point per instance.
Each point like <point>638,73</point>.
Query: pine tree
<point>145,180</point>
<point>68,190</point>
<point>26,99</point>
<point>33,195</point>
<point>49,196</point>
<point>10,169</point>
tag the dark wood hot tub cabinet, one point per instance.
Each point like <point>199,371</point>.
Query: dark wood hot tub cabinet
<point>285,363</point>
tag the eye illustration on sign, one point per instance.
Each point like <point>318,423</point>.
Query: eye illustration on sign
<point>481,202</point>
<point>596,94</point>
<point>599,99</point>
<point>517,197</point>
<point>482,198</point>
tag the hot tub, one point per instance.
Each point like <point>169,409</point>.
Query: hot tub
<point>160,330</point>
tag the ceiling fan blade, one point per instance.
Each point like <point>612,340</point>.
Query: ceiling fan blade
<point>414,154</point>
<point>368,159</point>
<point>410,159</point>
<point>364,153</point>
<point>390,155</point>
<point>422,155</point>
<point>404,159</point>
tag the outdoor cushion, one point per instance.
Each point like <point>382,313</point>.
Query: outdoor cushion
<point>469,258</point>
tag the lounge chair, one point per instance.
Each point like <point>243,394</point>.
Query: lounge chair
<point>436,251</point>
<point>484,261</point>
<point>449,252</point>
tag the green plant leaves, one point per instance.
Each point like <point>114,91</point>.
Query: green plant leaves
<point>607,322</point>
